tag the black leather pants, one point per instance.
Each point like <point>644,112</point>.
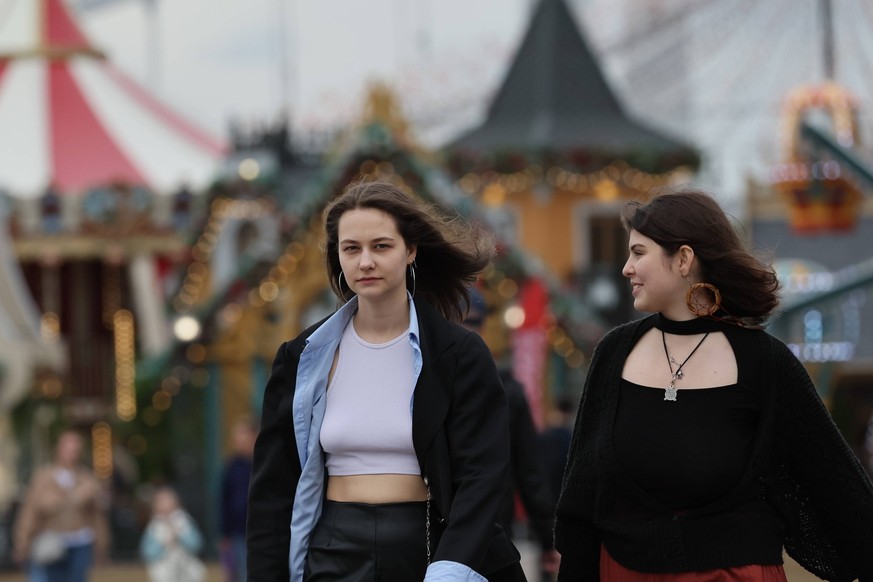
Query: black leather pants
<point>359,542</point>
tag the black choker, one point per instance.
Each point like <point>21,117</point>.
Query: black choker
<point>689,327</point>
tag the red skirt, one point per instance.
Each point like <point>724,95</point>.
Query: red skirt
<point>612,571</point>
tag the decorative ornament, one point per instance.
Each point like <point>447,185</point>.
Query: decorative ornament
<point>695,303</point>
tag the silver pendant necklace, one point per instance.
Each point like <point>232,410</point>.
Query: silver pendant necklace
<point>670,392</point>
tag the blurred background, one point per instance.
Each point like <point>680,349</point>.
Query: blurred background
<point>163,166</point>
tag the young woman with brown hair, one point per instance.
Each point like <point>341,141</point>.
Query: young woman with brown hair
<point>384,447</point>
<point>701,447</point>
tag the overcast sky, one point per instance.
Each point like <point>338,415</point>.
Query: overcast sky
<point>222,59</point>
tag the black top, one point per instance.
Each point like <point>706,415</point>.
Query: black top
<point>689,452</point>
<point>802,485</point>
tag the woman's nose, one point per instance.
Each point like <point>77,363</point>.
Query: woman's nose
<point>627,270</point>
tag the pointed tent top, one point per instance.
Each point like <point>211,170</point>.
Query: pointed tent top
<point>43,28</point>
<point>59,28</point>
<point>382,106</point>
<point>555,97</point>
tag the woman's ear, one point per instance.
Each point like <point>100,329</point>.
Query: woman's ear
<point>686,260</point>
<point>411,251</point>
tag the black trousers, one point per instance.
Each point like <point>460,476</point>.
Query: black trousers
<point>360,542</point>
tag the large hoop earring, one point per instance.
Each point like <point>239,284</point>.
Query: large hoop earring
<point>339,284</point>
<point>412,275</point>
<point>694,303</point>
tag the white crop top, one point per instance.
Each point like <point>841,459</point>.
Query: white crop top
<point>367,427</point>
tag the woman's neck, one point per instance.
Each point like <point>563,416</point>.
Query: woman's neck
<point>382,321</point>
<point>678,313</point>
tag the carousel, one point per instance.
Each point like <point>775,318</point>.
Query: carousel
<point>100,182</point>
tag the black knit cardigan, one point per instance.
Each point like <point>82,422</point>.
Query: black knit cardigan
<point>803,486</point>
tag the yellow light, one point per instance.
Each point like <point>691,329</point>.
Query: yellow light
<point>575,359</point>
<point>255,298</point>
<point>125,365</point>
<point>471,183</point>
<point>232,313</point>
<point>507,288</point>
<point>514,317</point>
<point>249,169</point>
<point>494,195</point>
<point>196,353</point>
<point>50,326</point>
<point>296,250</point>
<point>564,346</point>
<point>606,190</point>
<point>268,291</point>
<point>198,269</point>
<point>171,384</point>
<point>161,400</point>
<point>101,447</point>
<point>186,328</point>
<point>200,377</point>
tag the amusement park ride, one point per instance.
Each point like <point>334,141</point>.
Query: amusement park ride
<point>116,258</point>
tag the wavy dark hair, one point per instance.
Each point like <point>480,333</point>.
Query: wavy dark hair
<point>450,252</point>
<point>748,286</point>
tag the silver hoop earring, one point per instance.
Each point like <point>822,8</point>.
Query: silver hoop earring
<point>412,274</point>
<point>339,284</point>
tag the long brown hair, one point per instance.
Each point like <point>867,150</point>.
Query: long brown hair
<point>748,286</point>
<point>450,252</point>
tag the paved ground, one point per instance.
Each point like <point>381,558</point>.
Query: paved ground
<point>136,573</point>
<point>120,573</point>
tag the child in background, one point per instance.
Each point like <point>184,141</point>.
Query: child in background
<point>171,541</point>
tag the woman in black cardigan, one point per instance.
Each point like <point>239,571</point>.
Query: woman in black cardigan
<point>421,502</point>
<point>701,447</point>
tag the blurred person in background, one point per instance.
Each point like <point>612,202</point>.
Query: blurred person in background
<point>528,477</point>
<point>555,445</point>
<point>701,447</point>
<point>234,500</point>
<point>384,444</point>
<point>61,528</point>
<point>171,541</point>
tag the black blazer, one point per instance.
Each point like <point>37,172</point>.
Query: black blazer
<point>460,433</point>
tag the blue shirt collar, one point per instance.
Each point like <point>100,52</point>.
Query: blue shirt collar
<point>333,328</point>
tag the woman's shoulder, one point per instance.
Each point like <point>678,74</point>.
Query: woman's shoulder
<point>626,331</point>
<point>295,345</point>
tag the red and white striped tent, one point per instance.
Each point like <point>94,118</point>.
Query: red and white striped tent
<point>69,117</point>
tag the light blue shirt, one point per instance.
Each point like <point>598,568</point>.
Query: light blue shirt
<point>308,410</point>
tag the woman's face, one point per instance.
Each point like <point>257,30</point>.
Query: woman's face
<point>656,283</point>
<point>69,449</point>
<point>373,255</point>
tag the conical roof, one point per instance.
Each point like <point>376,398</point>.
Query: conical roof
<point>70,118</point>
<point>556,97</point>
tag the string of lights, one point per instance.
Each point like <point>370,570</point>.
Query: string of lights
<point>555,177</point>
<point>125,365</point>
<point>197,276</point>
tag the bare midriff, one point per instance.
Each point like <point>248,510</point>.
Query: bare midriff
<point>383,488</point>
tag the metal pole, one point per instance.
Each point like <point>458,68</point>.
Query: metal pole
<point>827,39</point>
<point>154,45</point>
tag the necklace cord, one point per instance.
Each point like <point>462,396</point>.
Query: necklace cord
<point>667,353</point>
